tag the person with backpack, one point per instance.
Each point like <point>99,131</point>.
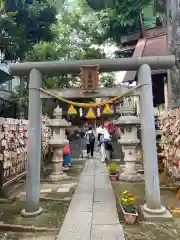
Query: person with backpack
<point>90,142</point>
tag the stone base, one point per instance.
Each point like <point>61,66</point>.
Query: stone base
<point>131,178</point>
<point>139,167</point>
<point>28,214</point>
<point>163,216</point>
<point>59,177</point>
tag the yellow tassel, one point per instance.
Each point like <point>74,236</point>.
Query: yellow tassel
<point>107,110</point>
<point>90,114</point>
<point>72,110</point>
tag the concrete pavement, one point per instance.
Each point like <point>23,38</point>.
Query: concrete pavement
<point>92,214</point>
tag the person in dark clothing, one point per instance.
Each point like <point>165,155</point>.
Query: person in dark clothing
<point>90,141</point>
<point>109,148</point>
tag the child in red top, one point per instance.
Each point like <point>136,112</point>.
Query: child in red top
<point>67,158</point>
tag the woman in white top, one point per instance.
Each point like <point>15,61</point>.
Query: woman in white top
<point>104,138</point>
<point>99,131</point>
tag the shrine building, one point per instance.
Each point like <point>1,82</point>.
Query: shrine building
<point>143,43</point>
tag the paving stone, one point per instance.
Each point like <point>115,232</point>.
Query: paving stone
<point>88,169</point>
<point>86,179</point>
<point>102,181</point>
<point>105,213</point>
<point>76,227</point>
<point>103,195</point>
<point>99,172</point>
<point>87,190</point>
<point>100,165</point>
<point>82,203</point>
<point>91,164</point>
<point>107,232</point>
<point>86,185</point>
<point>87,174</point>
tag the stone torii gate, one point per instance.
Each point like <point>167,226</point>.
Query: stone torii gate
<point>36,70</point>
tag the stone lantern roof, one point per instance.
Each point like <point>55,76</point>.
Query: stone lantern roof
<point>127,120</point>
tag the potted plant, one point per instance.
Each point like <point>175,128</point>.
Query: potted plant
<point>129,207</point>
<point>113,170</point>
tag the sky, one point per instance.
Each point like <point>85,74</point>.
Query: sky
<point>109,50</point>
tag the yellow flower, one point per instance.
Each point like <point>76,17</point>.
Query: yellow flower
<point>125,192</point>
<point>132,199</point>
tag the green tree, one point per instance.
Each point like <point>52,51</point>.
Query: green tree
<point>72,41</point>
<point>107,80</point>
<point>119,17</point>
<point>24,23</point>
<point>27,22</point>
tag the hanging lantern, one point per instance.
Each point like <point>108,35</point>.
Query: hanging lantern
<point>72,110</point>
<point>107,110</point>
<point>90,114</point>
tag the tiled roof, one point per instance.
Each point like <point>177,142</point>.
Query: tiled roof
<point>130,75</point>
<point>147,33</point>
<point>155,46</point>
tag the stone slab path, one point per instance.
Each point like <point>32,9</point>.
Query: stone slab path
<point>92,214</point>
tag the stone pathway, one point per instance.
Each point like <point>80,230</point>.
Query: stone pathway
<point>92,214</point>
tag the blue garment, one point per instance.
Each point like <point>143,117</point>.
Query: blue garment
<point>67,160</point>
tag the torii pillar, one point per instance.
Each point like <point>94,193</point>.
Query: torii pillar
<point>152,209</point>
<point>34,146</point>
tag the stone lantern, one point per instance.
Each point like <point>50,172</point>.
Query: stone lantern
<point>128,126</point>
<point>58,141</point>
<point>129,142</point>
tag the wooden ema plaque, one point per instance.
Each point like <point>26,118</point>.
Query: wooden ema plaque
<point>90,77</point>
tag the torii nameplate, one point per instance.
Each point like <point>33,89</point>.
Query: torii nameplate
<point>90,77</point>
